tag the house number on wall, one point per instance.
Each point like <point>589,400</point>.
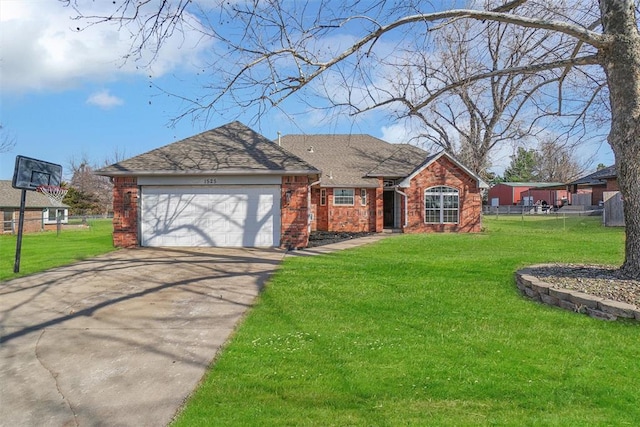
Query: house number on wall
<point>210,181</point>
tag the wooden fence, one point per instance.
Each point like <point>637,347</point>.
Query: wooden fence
<point>581,199</point>
<point>613,215</point>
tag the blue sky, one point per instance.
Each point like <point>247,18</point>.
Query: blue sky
<point>66,95</point>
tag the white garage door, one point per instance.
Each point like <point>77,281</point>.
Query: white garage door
<point>234,216</point>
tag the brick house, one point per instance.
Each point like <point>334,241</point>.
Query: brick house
<point>590,189</point>
<point>40,213</point>
<point>368,185</point>
<point>229,186</point>
<point>232,187</point>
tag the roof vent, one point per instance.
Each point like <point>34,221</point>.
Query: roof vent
<point>310,149</point>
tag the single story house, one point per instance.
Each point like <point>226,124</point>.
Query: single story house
<point>231,186</point>
<point>40,212</point>
<point>527,193</point>
<point>589,190</point>
<point>368,185</point>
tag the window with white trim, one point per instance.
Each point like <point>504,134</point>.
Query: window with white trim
<point>323,197</point>
<point>51,216</point>
<point>363,197</point>
<point>343,196</point>
<point>441,205</point>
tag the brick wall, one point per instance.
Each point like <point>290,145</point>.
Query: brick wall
<point>443,172</point>
<point>295,212</point>
<point>32,220</point>
<point>125,212</point>
<point>379,207</point>
<point>355,218</point>
<point>612,184</point>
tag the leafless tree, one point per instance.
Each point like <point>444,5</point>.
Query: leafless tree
<point>556,162</point>
<point>97,188</point>
<point>275,49</point>
<point>7,142</point>
<point>473,119</point>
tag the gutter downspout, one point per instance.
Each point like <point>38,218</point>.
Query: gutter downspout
<point>406,221</point>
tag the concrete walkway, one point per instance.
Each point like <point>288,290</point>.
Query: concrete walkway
<point>345,244</point>
<point>124,338</point>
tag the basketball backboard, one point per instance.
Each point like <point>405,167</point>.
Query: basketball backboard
<point>31,173</point>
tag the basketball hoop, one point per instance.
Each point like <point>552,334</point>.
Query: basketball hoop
<point>53,192</point>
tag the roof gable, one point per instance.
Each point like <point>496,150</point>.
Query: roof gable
<point>432,159</point>
<point>354,160</point>
<point>230,149</point>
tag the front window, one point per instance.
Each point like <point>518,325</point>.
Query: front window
<point>51,215</point>
<point>441,205</point>
<point>363,197</point>
<point>343,196</point>
<point>323,197</point>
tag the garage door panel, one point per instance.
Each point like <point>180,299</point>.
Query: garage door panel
<point>232,216</point>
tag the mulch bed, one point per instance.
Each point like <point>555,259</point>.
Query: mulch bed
<point>320,238</point>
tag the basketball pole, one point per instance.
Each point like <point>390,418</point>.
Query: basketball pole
<point>23,202</point>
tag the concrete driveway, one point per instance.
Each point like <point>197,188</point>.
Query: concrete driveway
<point>121,339</point>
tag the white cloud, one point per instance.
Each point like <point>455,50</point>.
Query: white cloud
<point>104,100</point>
<point>42,50</point>
<point>397,133</point>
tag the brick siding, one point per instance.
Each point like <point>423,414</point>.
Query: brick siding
<point>354,218</point>
<point>379,207</point>
<point>32,220</point>
<point>612,184</point>
<point>294,212</point>
<point>125,212</point>
<point>443,172</point>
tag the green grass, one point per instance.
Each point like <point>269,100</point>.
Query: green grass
<point>428,330</point>
<point>44,250</point>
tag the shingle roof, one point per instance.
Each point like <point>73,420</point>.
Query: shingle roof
<point>597,177</point>
<point>354,160</point>
<point>230,149</point>
<point>532,184</point>
<point>10,198</point>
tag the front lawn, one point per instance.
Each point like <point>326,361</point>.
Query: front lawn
<point>428,330</point>
<point>47,249</point>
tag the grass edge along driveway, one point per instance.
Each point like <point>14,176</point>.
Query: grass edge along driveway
<point>44,250</point>
<point>427,330</point>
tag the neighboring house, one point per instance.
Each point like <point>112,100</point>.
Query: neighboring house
<point>368,184</point>
<point>232,187</point>
<point>589,190</point>
<point>40,213</point>
<point>527,193</point>
<point>600,188</point>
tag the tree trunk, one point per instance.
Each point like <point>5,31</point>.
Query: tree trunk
<point>621,63</point>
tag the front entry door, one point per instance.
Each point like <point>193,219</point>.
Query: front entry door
<point>388,207</point>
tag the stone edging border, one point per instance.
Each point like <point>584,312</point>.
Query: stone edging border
<point>579,302</point>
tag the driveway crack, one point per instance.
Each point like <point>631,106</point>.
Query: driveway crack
<point>55,379</point>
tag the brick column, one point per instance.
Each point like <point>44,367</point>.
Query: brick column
<point>294,212</point>
<point>379,206</point>
<point>125,212</point>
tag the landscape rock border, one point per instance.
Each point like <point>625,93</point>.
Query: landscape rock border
<point>572,300</point>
